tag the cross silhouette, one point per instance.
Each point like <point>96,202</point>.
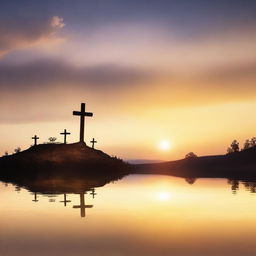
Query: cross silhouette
<point>35,138</point>
<point>65,200</point>
<point>65,133</point>
<point>35,197</point>
<point>93,141</point>
<point>82,206</point>
<point>82,115</point>
<point>93,192</point>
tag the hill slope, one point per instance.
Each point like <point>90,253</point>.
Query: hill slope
<point>237,165</point>
<point>60,159</point>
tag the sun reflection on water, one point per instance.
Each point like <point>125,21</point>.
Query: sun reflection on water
<point>164,196</point>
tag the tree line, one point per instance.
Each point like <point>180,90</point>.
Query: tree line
<point>234,146</point>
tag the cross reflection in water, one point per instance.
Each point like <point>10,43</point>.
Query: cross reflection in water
<point>93,193</point>
<point>82,205</point>
<point>65,201</point>
<point>35,198</point>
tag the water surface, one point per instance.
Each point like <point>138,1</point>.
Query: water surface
<point>139,215</point>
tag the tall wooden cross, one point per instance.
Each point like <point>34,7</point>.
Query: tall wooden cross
<point>65,200</point>
<point>65,133</point>
<point>93,141</point>
<point>82,206</point>
<point>82,115</point>
<point>35,138</point>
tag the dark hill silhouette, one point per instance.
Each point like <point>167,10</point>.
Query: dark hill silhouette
<point>60,184</point>
<point>76,161</point>
<point>236,165</point>
<point>67,160</point>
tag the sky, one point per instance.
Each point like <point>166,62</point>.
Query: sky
<point>180,72</point>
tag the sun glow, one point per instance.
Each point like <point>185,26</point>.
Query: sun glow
<point>164,196</point>
<point>164,145</point>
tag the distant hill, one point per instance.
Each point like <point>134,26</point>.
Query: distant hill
<point>60,159</point>
<point>142,161</point>
<point>236,165</point>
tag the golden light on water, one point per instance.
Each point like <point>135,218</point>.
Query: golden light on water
<point>164,212</point>
<point>164,196</point>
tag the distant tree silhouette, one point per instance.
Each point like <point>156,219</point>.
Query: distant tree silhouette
<point>234,185</point>
<point>235,146</point>
<point>253,141</point>
<point>250,185</point>
<point>247,144</point>
<point>250,143</point>
<point>52,139</point>
<point>17,150</point>
<point>6,153</point>
<point>190,155</point>
<point>229,150</point>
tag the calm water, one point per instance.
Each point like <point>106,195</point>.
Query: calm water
<point>138,215</point>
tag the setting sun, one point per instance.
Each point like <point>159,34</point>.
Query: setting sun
<point>164,145</point>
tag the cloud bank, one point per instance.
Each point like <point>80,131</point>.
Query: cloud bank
<point>44,73</point>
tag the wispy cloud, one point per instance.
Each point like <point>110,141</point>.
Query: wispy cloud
<point>57,22</point>
<point>23,33</point>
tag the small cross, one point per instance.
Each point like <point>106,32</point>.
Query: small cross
<point>93,141</point>
<point>82,206</point>
<point>65,133</point>
<point>65,200</point>
<point>35,138</point>
<point>35,197</point>
<point>82,115</point>
<point>93,192</point>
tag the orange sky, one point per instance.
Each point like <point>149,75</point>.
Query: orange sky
<point>146,79</point>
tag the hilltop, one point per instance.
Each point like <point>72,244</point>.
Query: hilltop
<point>235,165</point>
<point>75,159</point>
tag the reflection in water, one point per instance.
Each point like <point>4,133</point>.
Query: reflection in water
<point>65,201</point>
<point>164,196</point>
<point>190,180</point>
<point>234,185</point>
<point>82,206</point>
<point>93,193</point>
<point>51,188</point>
<point>151,215</point>
<point>249,185</point>
<point>35,198</point>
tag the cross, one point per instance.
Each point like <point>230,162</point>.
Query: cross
<point>82,115</point>
<point>82,206</point>
<point>65,133</point>
<point>65,200</point>
<point>35,138</point>
<point>93,192</point>
<point>35,197</point>
<point>93,141</point>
